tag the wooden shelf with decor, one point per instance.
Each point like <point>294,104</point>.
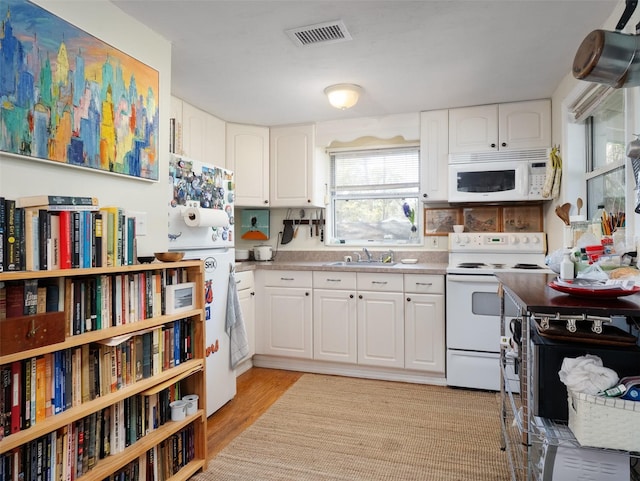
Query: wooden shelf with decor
<point>98,397</point>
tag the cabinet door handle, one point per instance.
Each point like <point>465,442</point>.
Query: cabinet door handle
<point>504,144</point>
<point>306,293</point>
<point>408,299</point>
<point>350,296</point>
<point>360,296</point>
<point>493,146</point>
<point>266,202</point>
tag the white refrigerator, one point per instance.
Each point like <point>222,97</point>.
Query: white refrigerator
<point>201,224</point>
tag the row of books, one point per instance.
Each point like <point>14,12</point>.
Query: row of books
<point>57,232</point>
<point>75,449</point>
<point>34,389</point>
<point>29,297</point>
<point>97,302</point>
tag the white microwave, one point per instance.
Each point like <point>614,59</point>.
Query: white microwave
<point>497,176</point>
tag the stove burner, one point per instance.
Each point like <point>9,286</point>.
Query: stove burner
<point>527,266</point>
<point>471,265</point>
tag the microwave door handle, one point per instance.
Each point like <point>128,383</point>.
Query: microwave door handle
<point>522,180</point>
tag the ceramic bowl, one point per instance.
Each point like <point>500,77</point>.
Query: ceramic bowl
<point>169,256</point>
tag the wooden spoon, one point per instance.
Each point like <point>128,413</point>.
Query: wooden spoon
<point>579,204</point>
<point>562,211</point>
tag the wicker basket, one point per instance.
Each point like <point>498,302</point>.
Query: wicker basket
<point>602,422</point>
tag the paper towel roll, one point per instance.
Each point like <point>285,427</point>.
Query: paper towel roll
<point>197,217</point>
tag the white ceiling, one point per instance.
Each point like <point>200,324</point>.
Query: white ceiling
<point>233,59</point>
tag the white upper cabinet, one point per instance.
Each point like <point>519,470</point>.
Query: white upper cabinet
<point>248,158</point>
<point>509,126</point>
<point>199,135</point>
<point>434,151</point>
<point>296,175</point>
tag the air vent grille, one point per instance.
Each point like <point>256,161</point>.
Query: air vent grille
<point>328,32</point>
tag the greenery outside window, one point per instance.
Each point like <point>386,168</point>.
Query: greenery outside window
<point>606,155</point>
<point>374,197</point>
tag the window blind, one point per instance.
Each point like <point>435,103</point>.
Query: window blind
<point>370,171</point>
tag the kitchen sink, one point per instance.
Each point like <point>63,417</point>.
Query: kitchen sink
<point>358,265</point>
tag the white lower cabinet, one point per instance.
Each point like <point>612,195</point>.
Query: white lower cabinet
<point>372,320</point>
<point>286,314</point>
<point>334,317</point>
<point>380,320</point>
<point>424,342</point>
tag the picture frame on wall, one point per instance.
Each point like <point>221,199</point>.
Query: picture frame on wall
<point>440,221</point>
<point>482,219</point>
<point>90,105</point>
<point>180,297</point>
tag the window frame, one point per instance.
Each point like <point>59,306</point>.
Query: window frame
<point>363,194</point>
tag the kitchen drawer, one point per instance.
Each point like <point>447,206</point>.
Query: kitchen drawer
<point>424,284</point>
<point>244,280</point>
<point>379,282</point>
<point>334,280</point>
<point>288,279</point>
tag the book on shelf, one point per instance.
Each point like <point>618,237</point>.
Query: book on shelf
<point>44,238</point>
<point>65,239</point>
<point>11,246</point>
<point>30,302</point>
<point>40,389</point>
<point>55,200</point>
<point>16,396</point>
<point>14,298</point>
<point>2,233</point>
<point>32,241</point>
<point>48,397</point>
<point>54,241</point>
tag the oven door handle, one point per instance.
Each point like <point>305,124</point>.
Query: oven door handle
<point>470,278</point>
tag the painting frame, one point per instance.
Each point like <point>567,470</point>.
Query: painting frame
<point>440,220</point>
<point>109,125</point>
<point>482,219</point>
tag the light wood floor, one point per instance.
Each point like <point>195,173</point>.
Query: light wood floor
<point>258,388</point>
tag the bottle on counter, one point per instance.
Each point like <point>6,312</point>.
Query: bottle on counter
<point>567,267</point>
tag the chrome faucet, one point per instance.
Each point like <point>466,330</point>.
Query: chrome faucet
<point>367,253</point>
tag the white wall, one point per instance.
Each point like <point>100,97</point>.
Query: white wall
<point>23,176</point>
<point>573,154</point>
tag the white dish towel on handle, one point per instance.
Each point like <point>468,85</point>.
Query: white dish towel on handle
<point>234,324</point>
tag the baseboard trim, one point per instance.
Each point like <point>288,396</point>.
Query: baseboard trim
<point>323,367</point>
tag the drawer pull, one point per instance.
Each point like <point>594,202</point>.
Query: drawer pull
<point>287,279</point>
<point>379,282</point>
<point>334,280</point>
<point>424,283</point>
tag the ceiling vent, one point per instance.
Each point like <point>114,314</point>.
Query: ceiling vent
<point>328,32</point>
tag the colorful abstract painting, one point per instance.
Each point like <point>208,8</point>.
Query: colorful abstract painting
<point>68,97</point>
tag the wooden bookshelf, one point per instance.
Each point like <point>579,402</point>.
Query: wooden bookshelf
<point>146,433</point>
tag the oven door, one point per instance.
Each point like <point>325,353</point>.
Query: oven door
<point>488,182</point>
<point>473,312</point>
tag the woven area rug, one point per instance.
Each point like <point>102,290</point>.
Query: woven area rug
<point>338,428</point>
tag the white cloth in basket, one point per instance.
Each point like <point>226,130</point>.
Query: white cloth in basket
<point>587,374</point>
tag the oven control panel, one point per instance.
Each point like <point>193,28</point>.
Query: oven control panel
<point>498,242</point>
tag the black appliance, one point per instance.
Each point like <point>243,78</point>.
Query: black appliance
<point>549,393</point>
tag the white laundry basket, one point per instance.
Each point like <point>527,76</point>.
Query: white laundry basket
<point>603,422</point>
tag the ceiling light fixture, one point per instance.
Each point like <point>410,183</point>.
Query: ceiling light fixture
<point>343,96</point>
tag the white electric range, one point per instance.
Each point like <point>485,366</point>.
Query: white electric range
<point>473,305</point>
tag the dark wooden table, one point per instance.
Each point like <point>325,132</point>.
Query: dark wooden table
<point>532,292</point>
